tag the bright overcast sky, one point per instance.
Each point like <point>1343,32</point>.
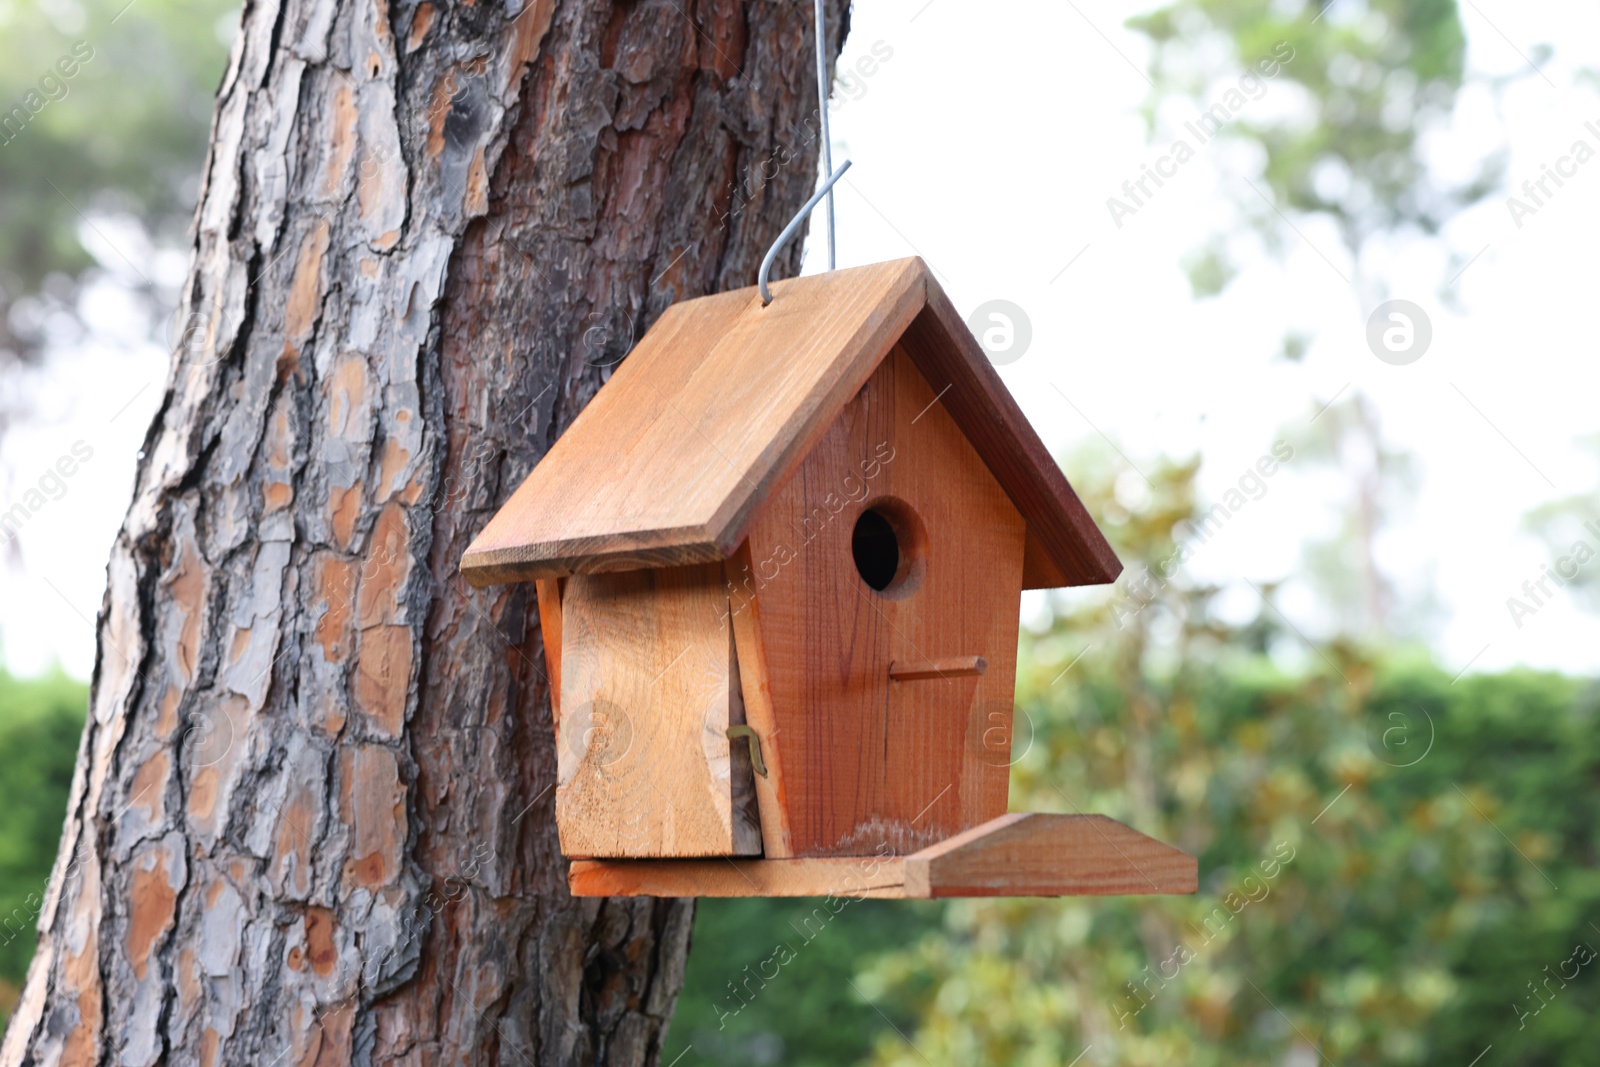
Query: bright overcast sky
<point>988,144</point>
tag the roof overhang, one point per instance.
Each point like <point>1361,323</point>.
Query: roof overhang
<point>723,397</point>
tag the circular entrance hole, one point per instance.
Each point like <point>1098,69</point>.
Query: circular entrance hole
<point>887,544</point>
<point>876,548</point>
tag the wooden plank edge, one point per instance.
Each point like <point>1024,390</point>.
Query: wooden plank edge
<point>548,592</point>
<point>641,550</point>
<point>489,561</point>
<point>750,650</point>
<point>872,342</point>
<point>922,875</point>
<point>1050,506</point>
<point>1087,855</point>
<point>873,877</point>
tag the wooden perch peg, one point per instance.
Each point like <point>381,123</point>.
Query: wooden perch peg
<point>949,667</point>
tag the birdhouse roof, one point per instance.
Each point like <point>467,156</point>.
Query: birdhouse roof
<point>722,398</point>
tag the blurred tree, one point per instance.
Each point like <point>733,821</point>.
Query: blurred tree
<point>1342,130</point>
<point>1570,530</point>
<point>1378,482</point>
<point>103,118</point>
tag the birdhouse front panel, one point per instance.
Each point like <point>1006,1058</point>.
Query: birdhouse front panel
<point>875,605</point>
<point>648,691</point>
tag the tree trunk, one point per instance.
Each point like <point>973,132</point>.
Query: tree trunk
<point>312,822</point>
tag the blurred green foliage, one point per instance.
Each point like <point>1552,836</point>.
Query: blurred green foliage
<point>806,1014</point>
<point>1341,129</point>
<point>1388,859</point>
<point>40,723</point>
<point>100,165</point>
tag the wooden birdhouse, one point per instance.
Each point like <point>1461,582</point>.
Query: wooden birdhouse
<point>779,559</point>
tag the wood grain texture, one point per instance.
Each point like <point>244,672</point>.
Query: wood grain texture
<point>949,667</point>
<point>549,595</point>
<point>1039,569</point>
<point>1065,546</point>
<point>864,762</point>
<point>1032,854</point>
<point>831,876</point>
<point>741,759</point>
<point>771,795</point>
<point>1015,855</point>
<point>649,689</point>
<point>721,398</point>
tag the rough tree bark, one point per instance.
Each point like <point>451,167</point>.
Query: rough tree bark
<point>312,818</point>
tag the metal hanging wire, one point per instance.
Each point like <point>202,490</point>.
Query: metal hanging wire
<point>794,224</point>
<point>822,117</point>
<point>826,192</point>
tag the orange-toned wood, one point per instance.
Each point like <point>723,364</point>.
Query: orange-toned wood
<point>549,592</point>
<point>1039,571</point>
<point>1030,854</point>
<point>771,796</point>
<point>1066,548</point>
<point>1016,855</point>
<point>741,759</point>
<point>866,763</point>
<point>721,398</point>
<point>644,764</point>
<point>831,876</point>
<point>949,667</point>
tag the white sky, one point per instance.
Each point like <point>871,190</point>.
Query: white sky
<point>988,144</point>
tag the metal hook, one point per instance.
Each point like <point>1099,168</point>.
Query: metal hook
<point>788,231</point>
<point>735,732</point>
<point>827,164</point>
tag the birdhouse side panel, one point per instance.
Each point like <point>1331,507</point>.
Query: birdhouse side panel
<point>548,591</point>
<point>892,544</point>
<point>648,691</point>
